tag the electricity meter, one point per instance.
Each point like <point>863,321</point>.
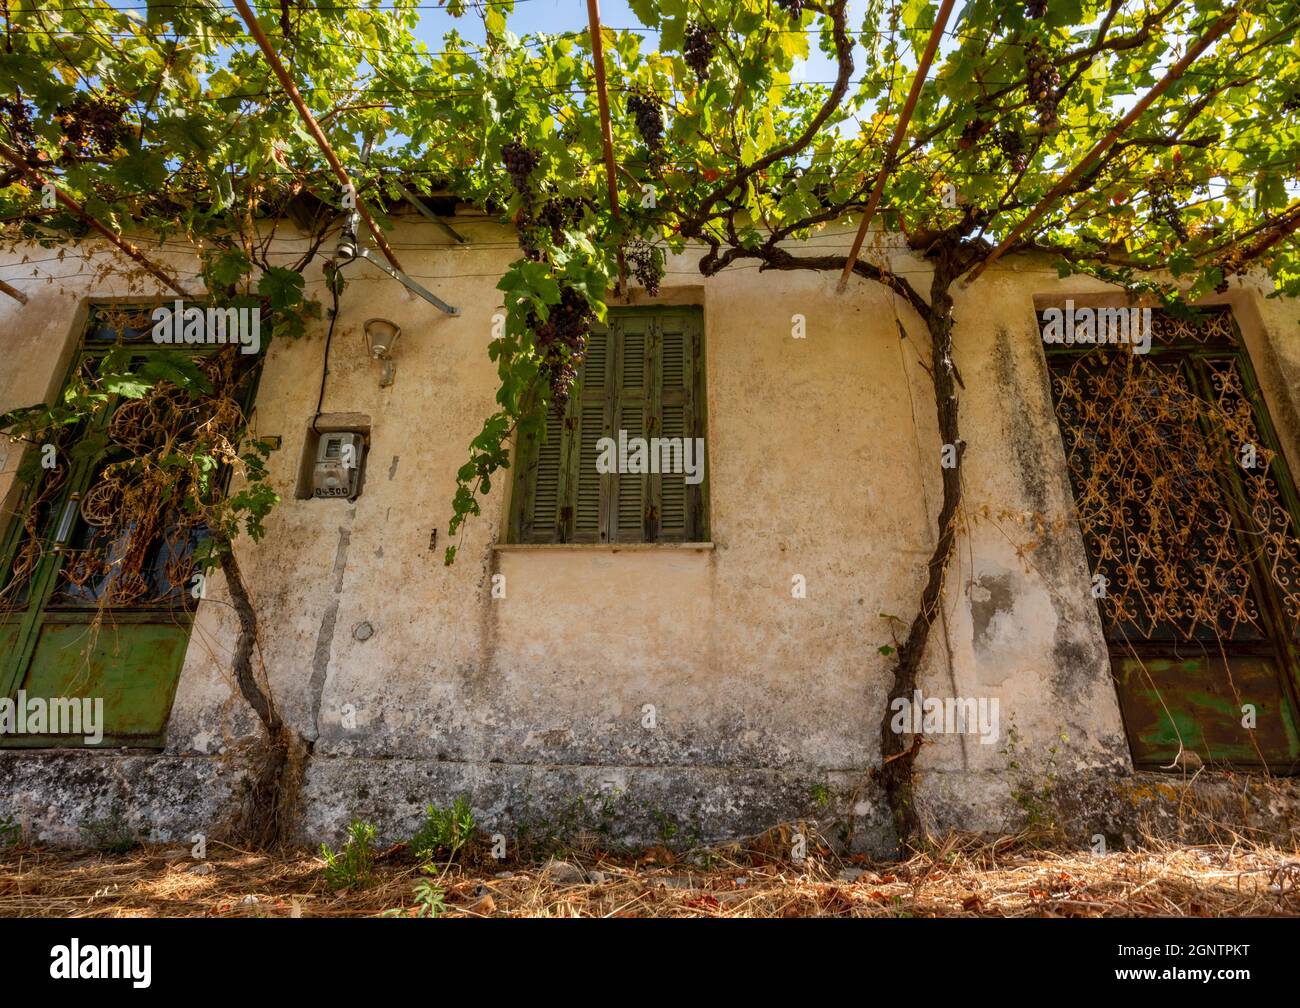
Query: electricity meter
<point>339,457</point>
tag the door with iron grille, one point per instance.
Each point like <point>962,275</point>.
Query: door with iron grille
<point>97,575</point>
<point>1189,517</point>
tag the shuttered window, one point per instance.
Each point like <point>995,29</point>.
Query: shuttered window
<point>641,381</point>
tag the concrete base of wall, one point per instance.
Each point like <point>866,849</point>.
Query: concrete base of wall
<point>535,803</point>
<point>1125,808</point>
<point>56,796</point>
<point>1209,807</point>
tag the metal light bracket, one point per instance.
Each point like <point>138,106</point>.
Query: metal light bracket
<point>349,248</point>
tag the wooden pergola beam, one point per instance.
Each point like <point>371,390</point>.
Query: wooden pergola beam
<point>13,292</point>
<point>896,141</point>
<point>1105,143</point>
<point>606,130</point>
<point>128,249</point>
<point>1288,222</point>
<point>291,89</point>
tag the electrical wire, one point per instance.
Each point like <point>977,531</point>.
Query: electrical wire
<point>333,281</point>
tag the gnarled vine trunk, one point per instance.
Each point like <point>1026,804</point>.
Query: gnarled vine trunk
<point>895,774</point>
<point>277,768</point>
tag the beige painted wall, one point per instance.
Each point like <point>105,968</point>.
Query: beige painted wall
<point>824,462</point>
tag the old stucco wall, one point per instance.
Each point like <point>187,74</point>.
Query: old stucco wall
<point>823,457</point>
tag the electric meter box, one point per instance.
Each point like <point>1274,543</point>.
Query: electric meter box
<point>339,457</point>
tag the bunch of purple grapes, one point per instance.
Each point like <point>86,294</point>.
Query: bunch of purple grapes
<point>520,161</point>
<point>1044,84</point>
<point>697,48</point>
<point>793,7</point>
<point>649,115</point>
<point>973,132</point>
<point>528,235</point>
<point>1165,207</point>
<point>647,264</point>
<point>559,213</point>
<point>561,338</point>
<point>16,113</point>
<point>1012,145</point>
<point>1035,9</point>
<point>92,123</point>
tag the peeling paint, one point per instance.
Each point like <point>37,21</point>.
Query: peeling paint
<point>325,637</point>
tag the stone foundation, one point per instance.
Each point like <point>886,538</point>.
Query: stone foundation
<point>56,796</point>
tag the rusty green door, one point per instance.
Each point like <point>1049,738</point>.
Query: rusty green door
<point>66,635</point>
<point>1189,516</point>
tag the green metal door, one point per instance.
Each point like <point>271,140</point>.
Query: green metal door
<point>88,608</point>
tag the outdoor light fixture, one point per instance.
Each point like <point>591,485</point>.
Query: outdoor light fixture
<point>381,336</point>
<point>65,522</point>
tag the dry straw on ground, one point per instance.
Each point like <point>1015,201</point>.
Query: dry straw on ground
<point>958,877</point>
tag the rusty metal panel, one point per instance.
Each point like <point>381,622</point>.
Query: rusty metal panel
<point>1198,700</point>
<point>1189,516</point>
<point>134,668</point>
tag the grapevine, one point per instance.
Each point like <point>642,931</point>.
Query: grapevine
<point>647,265</point>
<point>972,132</point>
<point>1012,145</point>
<point>649,118</point>
<point>698,50</point>
<point>1044,84</point>
<point>1231,265</point>
<point>559,213</point>
<point>16,113</point>
<point>520,161</point>
<point>1165,207</point>
<point>561,339</point>
<point>528,233</point>
<point>93,124</point>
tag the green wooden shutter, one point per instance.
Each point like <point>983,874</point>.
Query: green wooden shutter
<point>642,375</point>
<point>675,421</point>
<point>542,518</point>
<point>558,500</point>
<point>628,490</point>
<point>594,417</point>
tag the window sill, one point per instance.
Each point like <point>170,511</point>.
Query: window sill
<point>669,547</point>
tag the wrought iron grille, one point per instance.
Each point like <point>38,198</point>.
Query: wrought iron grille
<point>1188,515</point>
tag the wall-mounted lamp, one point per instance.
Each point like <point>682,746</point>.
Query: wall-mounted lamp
<point>381,336</point>
<point>66,519</point>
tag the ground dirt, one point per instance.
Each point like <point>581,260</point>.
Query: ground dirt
<point>956,877</point>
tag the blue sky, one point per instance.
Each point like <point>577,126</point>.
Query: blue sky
<point>552,16</point>
<point>529,16</point>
